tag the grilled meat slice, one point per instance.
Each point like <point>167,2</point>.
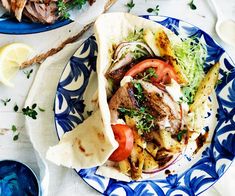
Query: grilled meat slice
<point>40,12</point>
<point>6,4</point>
<point>163,107</point>
<point>15,6</point>
<point>120,68</point>
<point>124,97</point>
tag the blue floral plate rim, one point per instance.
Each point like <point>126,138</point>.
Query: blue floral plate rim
<point>21,28</point>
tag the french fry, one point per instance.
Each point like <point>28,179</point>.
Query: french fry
<point>149,38</point>
<point>206,87</point>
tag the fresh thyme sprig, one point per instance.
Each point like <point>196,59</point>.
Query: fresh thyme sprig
<point>144,120</point>
<point>138,92</point>
<point>148,74</point>
<point>130,5</point>
<point>154,10</point>
<point>31,112</point>
<point>65,6</point>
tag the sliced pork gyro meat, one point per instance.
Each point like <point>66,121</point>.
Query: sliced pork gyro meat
<point>6,4</point>
<point>15,7</point>
<point>164,104</point>
<point>41,12</point>
<point>124,97</point>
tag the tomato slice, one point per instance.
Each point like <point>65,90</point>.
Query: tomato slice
<point>124,136</point>
<point>164,71</point>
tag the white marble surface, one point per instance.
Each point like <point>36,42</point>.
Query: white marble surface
<point>22,150</point>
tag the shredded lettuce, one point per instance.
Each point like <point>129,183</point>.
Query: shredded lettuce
<point>136,35</point>
<point>191,55</point>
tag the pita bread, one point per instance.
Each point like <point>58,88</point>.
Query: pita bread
<point>89,144</point>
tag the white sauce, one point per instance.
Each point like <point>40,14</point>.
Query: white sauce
<point>125,79</point>
<point>119,121</point>
<point>227,31</point>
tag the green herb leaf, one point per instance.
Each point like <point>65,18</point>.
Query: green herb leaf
<point>148,74</point>
<point>154,10</point>
<point>31,112</point>
<point>16,108</point>
<point>149,10</point>
<point>5,101</point>
<point>144,120</point>
<point>13,128</point>
<point>130,5</point>
<point>65,6</point>
<point>139,92</point>
<point>16,137</point>
<point>219,81</point>
<point>192,5</point>
<point>41,109</point>
<point>180,135</point>
<point>34,106</point>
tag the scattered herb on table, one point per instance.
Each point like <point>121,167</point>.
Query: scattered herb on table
<point>28,73</point>
<point>13,128</point>
<point>5,101</point>
<point>154,10</point>
<point>15,132</point>
<point>31,112</point>
<point>16,108</point>
<point>130,5</point>
<point>65,6</point>
<point>192,5</point>
<point>16,137</point>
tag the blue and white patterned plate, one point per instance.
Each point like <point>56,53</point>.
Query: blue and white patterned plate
<point>190,175</point>
<point>9,25</point>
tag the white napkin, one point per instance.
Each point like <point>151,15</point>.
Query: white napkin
<point>55,180</point>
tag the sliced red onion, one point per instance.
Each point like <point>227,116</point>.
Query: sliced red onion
<point>124,45</point>
<point>162,168</point>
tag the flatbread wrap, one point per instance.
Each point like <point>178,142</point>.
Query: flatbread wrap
<point>147,82</point>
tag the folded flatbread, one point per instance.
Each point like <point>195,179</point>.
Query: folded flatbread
<point>92,142</point>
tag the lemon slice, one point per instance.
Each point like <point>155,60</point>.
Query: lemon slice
<point>11,58</point>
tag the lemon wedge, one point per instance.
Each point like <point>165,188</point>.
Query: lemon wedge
<point>11,58</point>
